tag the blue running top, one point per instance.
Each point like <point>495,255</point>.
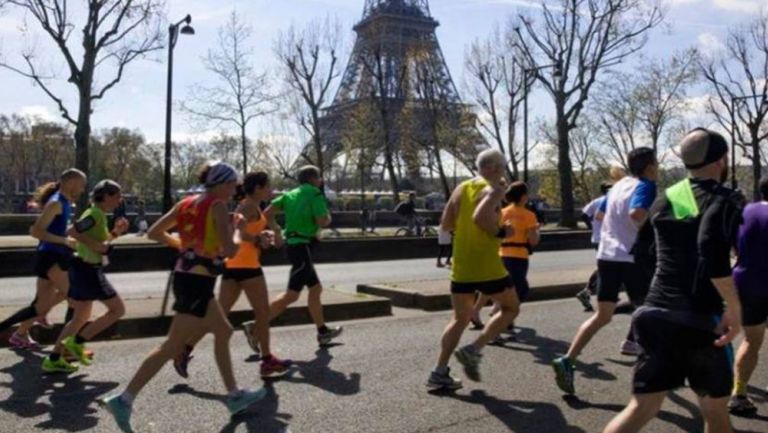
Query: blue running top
<point>58,226</point>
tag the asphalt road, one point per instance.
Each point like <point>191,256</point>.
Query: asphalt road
<point>342,276</point>
<point>372,382</point>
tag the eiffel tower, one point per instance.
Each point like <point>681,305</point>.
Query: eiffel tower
<point>388,34</point>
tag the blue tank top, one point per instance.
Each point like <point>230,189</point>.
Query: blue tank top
<point>58,226</point>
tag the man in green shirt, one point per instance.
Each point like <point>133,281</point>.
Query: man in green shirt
<point>306,213</point>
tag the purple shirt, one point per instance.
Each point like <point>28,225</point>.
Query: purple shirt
<point>751,272</point>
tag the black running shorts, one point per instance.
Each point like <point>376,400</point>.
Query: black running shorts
<point>613,275</point>
<point>754,309</point>
<point>674,353</point>
<point>45,260</point>
<point>88,283</point>
<point>193,293</point>
<point>493,287</point>
<point>303,272</point>
<point>242,274</point>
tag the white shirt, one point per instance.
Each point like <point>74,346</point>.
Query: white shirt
<point>444,237</point>
<point>619,231</point>
<point>590,210</point>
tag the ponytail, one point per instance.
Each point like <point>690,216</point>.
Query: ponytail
<point>45,192</point>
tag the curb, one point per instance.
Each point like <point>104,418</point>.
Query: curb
<point>442,301</point>
<point>146,327</point>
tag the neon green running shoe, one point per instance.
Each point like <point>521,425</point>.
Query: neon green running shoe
<point>76,349</point>
<point>59,366</point>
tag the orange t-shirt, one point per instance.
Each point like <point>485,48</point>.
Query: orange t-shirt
<point>249,254</point>
<point>522,220</point>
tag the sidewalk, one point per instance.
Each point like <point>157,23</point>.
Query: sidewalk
<point>143,317</point>
<point>434,295</point>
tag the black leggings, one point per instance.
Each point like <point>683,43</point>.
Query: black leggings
<point>445,251</point>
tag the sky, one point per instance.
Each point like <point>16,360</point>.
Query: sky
<point>138,101</point>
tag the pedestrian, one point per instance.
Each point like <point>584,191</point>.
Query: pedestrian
<point>141,218</point>
<point>205,239</point>
<point>54,252</point>
<point>751,278</point>
<point>472,213</point>
<point>243,273</point>
<point>407,210</point>
<point>87,280</point>
<point>306,212</point>
<point>445,247</point>
<point>593,218</point>
<point>365,217</point>
<point>692,311</point>
<point>625,209</point>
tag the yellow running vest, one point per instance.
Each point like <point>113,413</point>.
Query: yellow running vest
<point>475,252</point>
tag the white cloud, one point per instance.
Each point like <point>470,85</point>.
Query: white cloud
<point>709,44</point>
<point>38,112</point>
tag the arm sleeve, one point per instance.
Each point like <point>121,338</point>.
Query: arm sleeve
<point>590,209</point>
<point>644,195</point>
<point>603,206</point>
<point>319,206</point>
<point>717,234</point>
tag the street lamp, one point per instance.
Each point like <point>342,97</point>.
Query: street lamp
<point>734,182</point>
<point>557,74</point>
<point>173,35</point>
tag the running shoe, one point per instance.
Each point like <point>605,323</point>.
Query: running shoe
<point>181,362</point>
<point>76,349</point>
<point>477,324</point>
<point>630,348</point>
<point>244,398</point>
<point>248,330</point>
<point>59,366</point>
<point>443,381</point>
<point>470,360</point>
<point>585,297</point>
<point>272,367</point>
<point>72,358</point>
<point>564,373</point>
<point>326,337</point>
<point>120,410</point>
<point>497,341</point>
<point>741,405</point>
<point>24,342</point>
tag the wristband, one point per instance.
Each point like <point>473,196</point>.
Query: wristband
<point>502,233</point>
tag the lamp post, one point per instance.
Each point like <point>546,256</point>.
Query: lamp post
<point>734,100</point>
<point>557,74</point>
<point>173,35</point>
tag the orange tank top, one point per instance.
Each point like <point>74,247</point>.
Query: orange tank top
<point>196,226</point>
<point>249,254</point>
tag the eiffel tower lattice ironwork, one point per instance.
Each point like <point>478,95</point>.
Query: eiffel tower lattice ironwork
<point>395,52</point>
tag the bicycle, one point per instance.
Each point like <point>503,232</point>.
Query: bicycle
<point>427,231</point>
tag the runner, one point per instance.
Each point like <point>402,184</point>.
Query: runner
<point>87,280</point>
<point>206,237</point>
<point>751,277</point>
<point>594,219</point>
<point>626,208</point>
<point>243,273</point>
<point>472,213</point>
<point>306,212</point>
<point>683,327</point>
<point>53,255</point>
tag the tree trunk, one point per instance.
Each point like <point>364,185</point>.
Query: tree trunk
<point>441,172</point>
<point>244,144</point>
<point>564,166</point>
<point>317,140</point>
<point>757,168</point>
<point>82,140</point>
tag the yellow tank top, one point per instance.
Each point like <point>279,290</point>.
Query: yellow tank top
<point>475,252</point>
<point>249,255</point>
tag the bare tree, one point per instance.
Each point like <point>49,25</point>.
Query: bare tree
<point>617,116</point>
<point>498,87</point>
<point>310,64</point>
<point>115,33</point>
<point>241,94</point>
<point>582,38</point>
<point>740,90</point>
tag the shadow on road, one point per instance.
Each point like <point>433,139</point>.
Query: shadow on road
<point>262,417</point>
<point>545,350</point>
<point>318,373</point>
<point>520,416</point>
<point>70,396</point>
